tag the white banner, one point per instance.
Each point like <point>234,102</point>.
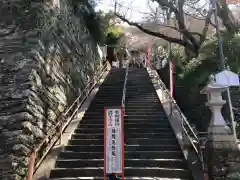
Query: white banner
<point>113,141</point>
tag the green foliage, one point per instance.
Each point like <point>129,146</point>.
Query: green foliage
<point>77,79</point>
<point>112,33</point>
<point>192,75</point>
<point>102,27</point>
<point>113,36</point>
<point>94,26</point>
<point>99,24</point>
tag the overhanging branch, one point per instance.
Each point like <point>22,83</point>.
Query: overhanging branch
<point>157,34</point>
<point>206,26</point>
<point>179,14</point>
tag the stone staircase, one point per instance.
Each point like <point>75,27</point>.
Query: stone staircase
<point>83,156</point>
<point>151,150</point>
<point>155,152</point>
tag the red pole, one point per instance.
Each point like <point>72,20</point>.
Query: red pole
<point>105,144</point>
<point>31,165</point>
<point>122,119</point>
<point>171,69</point>
<point>148,55</point>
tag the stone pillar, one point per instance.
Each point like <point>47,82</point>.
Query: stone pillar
<point>218,131</point>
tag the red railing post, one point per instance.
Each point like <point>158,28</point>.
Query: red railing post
<point>31,165</point>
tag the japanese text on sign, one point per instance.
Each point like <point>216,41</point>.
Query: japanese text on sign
<point>113,141</point>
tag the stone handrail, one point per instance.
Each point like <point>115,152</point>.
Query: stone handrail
<point>63,122</point>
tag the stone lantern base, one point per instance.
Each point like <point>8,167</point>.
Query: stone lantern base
<point>222,137</point>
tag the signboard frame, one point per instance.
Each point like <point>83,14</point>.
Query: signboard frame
<point>105,139</point>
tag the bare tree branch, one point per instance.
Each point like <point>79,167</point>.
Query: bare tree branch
<point>157,34</point>
<point>206,27</point>
<point>227,17</point>
<point>176,12</point>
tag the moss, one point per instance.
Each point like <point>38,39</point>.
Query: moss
<point>77,79</point>
<point>21,171</point>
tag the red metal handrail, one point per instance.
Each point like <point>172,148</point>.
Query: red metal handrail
<point>62,123</point>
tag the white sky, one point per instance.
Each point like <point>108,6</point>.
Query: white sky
<point>135,7</point>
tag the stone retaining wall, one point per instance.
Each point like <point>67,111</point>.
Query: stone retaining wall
<point>46,55</point>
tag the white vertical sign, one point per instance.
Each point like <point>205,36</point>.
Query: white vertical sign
<point>113,140</point>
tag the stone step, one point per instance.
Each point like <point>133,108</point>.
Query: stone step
<point>136,141</point>
<point>95,109</point>
<point>128,123</point>
<point>135,106</point>
<point>144,109</point>
<point>128,147</point>
<point>144,113</point>
<point>109,101</point>
<point>110,97</point>
<point>143,89</point>
<point>127,130</point>
<point>129,120</point>
<point>136,91</point>
<point>127,109</point>
<point>140,82</point>
<point>111,89</point>
<point>155,116</point>
<point>140,90</point>
<point>140,101</point>
<point>127,155</point>
<point>128,171</point>
<point>117,98</point>
<point>129,135</point>
<point>135,94</point>
<point>125,178</point>
<point>141,98</point>
<point>80,163</point>
<point>149,110</point>
<point>161,119</point>
<point>141,104</point>
<point>151,94</point>
<point>140,94</point>
<point>106,104</point>
<point>151,117</point>
<point>106,96</point>
<point>140,87</point>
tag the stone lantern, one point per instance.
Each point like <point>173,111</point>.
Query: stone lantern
<point>218,130</point>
